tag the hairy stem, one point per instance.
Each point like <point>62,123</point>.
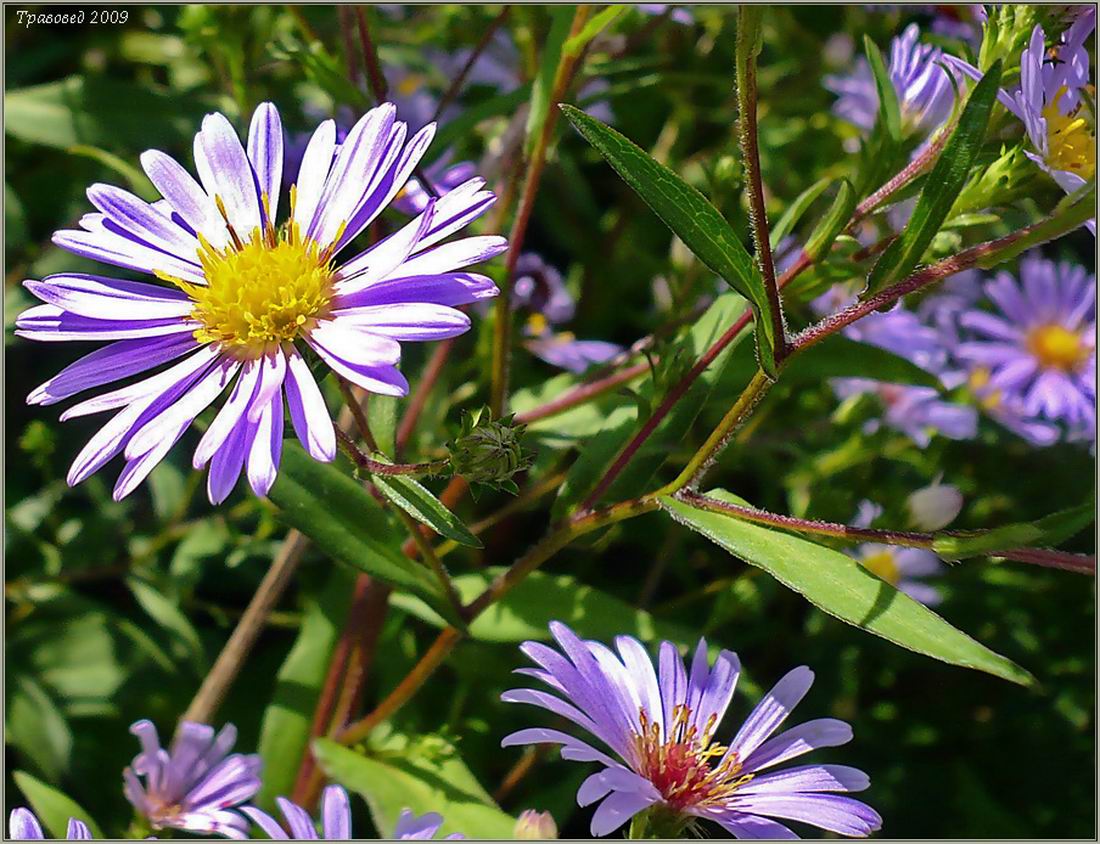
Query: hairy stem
<point>376,467</point>
<point>1081,563</point>
<point>748,26</point>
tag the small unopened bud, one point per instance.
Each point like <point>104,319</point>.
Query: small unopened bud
<point>535,826</point>
<point>489,451</point>
<point>934,507</point>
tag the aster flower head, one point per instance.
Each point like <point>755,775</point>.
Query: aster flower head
<point>335,818</point>
<point>196,783</point>
<point>662,757</point>
<point>904,569</point>
<point>924,90</point>
<point>243,297</point>
<point>24,826</point>
<point>1049,102</point>
<point>1036,351</point>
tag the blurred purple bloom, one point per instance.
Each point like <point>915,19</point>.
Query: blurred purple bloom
<point>679,14</point>
<point>565,351</point>
<point>661,725</point>
<point>196,783</point>
<point>1049,103</point>
<point>902,568</point>
<point>424,828</point>
<point>539,288</point>
<point>243,294</point>
<point>925,94</point>
<point>916,411</point>
<point>1039,349</point>
<point>335,818</point>
<point>24,826</point>
<point>963,21</point>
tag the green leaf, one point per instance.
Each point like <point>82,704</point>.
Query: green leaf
<point>396,782</point>
<point>593,28</point>
<point>832,224</point>
<point>1073,211</point>
<point>52,807</point>
<point>527,610</point>
<point>889,113</point>
<point>382,418</point>
<point>36,726</point>
<point>840,586</point>
<point>561,19</point>
<point>690,217</point>
<point>412,497</point>
<point>101,112</point>
<point>183,637</point>
<point>346,523</point>
<point>795,211</point>
<point>1048,531</point>
<point>284,731</point>
<point>942,187</point>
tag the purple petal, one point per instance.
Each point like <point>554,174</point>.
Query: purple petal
<point>227,174</point>
<point>384,257</point>
<point>672,679</point>
<point>266,448</point>
<point>144,222</point>
<point>115,361</point>
<point>808,778</point>
<point>409,827</point>
<point>770,712</point>
<point>186,196</point>
<point>78,831</point>
<point>298,819</point>
<point>272,375</point>
<point>573,749</point>
<point>821,732</point>
<point>230,413</point>
<point>226,464</point>
<point>50,324</point>
<point>308,412</point>
<point>23,825</point>
<point>313,173</point>
<point>752,827</point>
<point>832,812</point>
<point>449,289</point>
<point>112,247</point>
<point>413,321</point>
<point>265,822</point>
<point>97,297</point>
<point>335,813</point>
<point>364,359</point>
<point>617,809</point>
<point>455,255</point>
<point>265,152</point>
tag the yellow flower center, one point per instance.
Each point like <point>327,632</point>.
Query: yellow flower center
<point>979,380</point>
<point>1071,141</point>
<point>261,292</point>
<point>883,565</point>
<point>1057,347</point>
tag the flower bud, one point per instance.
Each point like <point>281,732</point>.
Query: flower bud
<point>934,507</point>
<point>489,451</point>
<point>535,826</point>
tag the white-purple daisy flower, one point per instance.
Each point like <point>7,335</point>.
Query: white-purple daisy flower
<point>661,726</point>
<point>924,90</point>
<point>1049,103</point>
<point>195,784</point>
<point>1040,346</point>
<point>24,826</point>
<point>245,296</point>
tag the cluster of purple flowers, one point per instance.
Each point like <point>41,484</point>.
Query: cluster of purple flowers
<point>1024,349</point>
<point>660,724</point>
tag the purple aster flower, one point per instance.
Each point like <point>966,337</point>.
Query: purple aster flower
<point>24,826</point>
<point>335,818</point>
<point>1049,103</point>
<point>195,784</point>
<point>903,569</point>
<point>661,725</point>
<point>563,350</point>
<point>1040,346</point>
<point>916,411</point>
<point>925,93</point>
<point>244,295</point>
<point>424,828</point>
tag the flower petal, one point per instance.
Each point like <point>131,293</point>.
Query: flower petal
<point>308,412</point>
<point>265,152</point>
<point>772,710</point>
<point>227,174</point>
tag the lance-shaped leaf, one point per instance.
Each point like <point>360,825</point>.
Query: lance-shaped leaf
<point>690,217</point>
<point>796,210</point>
<point>840,586</point>
<point>412,497</point>
<point>832,224</point>
<point>889,112</point>
<point>941,188</point>
<point>345,522</point>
